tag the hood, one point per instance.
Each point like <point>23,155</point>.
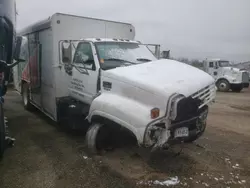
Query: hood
<point>162,77</point>
<point>231,69</point>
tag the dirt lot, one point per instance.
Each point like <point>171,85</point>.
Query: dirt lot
<point>46,156</point>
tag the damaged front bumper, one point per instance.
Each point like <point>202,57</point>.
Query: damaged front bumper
<point>166,133</point>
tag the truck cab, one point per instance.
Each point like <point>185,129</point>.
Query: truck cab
<point>226,76</point>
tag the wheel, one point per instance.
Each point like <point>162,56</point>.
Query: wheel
<point>195,137</point>
<point>2,131</point>
<point>237,89</point>
<point>97,138</point>
<point>26,97</point>
<point>223,85</point>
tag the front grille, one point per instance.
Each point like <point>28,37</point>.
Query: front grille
<point>205,95</point>
<point>187,108</point>
<point>245,77</point>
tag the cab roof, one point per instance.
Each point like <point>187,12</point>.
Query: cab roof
<point>111,40</point>
<point>216,59</point>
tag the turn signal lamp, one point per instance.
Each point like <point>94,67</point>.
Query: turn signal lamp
<point>155,113</point>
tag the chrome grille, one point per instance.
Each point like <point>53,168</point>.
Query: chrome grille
<point>205,95</point>
<point>245,77</point>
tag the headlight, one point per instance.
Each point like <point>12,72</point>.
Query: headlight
<point>173,108</point>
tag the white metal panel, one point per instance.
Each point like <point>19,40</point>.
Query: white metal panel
<point>16,78</point>
<point>67,27</point>
<point>47,73</point>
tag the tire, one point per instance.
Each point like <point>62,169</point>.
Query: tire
<point>26,97</point>
<point>97,138</point>
<point>2,132</point>
<point>223,85</point>
<point>195,137</point>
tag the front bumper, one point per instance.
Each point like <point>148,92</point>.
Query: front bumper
<point>164,137</point>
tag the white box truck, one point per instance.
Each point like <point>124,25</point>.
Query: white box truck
<point>113,81</point>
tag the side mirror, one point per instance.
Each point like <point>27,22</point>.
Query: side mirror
<point>21,49</point>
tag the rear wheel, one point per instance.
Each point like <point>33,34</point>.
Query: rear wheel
<point>26,97</point>
<point>223,85</point>
<point>2,131</point>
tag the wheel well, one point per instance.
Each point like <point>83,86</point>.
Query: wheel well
<point>114,126</point>
<point>220,79</point>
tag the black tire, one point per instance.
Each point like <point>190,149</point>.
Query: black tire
<point>26,97</point>
<point>97,138</point>
<point>2,132</point>
<point>195,137</point>
<point>223,85</point>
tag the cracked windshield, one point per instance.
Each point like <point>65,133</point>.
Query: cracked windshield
<point>124,94</point>
<point>116,54</point>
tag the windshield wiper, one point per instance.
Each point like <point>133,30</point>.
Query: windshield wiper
<point>122,60</point>
<point>143,59</point>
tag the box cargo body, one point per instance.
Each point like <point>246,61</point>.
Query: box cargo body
<point>43,70</point>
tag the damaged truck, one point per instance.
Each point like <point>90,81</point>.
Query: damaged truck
<point>92,69</point>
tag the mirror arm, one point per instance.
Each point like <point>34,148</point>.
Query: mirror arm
<point>13,64</point>
<point>5,65</point>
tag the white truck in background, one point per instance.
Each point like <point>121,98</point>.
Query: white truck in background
<point>113,81</point>
<point>227,77</point>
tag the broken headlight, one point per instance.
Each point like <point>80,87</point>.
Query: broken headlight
<point>174,106</point>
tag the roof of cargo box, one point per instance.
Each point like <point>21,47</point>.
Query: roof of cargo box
<point>38,26</point>
<point>46,23</point>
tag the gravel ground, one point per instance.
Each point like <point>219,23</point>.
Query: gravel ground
<point>47,156</point>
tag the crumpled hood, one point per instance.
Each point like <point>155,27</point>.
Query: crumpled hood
<point>162,77</point>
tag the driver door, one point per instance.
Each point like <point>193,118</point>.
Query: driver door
<point>213,69</point>
<point>85,73</point>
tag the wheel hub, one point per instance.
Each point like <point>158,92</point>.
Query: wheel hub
<point>223,85</point>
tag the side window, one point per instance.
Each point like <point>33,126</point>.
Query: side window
<point>84,55</point>
<point>211,64</point>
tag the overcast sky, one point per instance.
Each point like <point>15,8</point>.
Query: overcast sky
<point>189,28</point>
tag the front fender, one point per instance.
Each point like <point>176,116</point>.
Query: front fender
<point>231,78</point>
<point>127,112</point>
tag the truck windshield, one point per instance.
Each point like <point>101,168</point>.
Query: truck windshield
<point>117,54</point>
<point>224,63</point>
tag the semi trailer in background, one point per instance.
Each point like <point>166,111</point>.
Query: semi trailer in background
<point>10,55</point>
<point>80,68</point>
<point>7,41</point>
